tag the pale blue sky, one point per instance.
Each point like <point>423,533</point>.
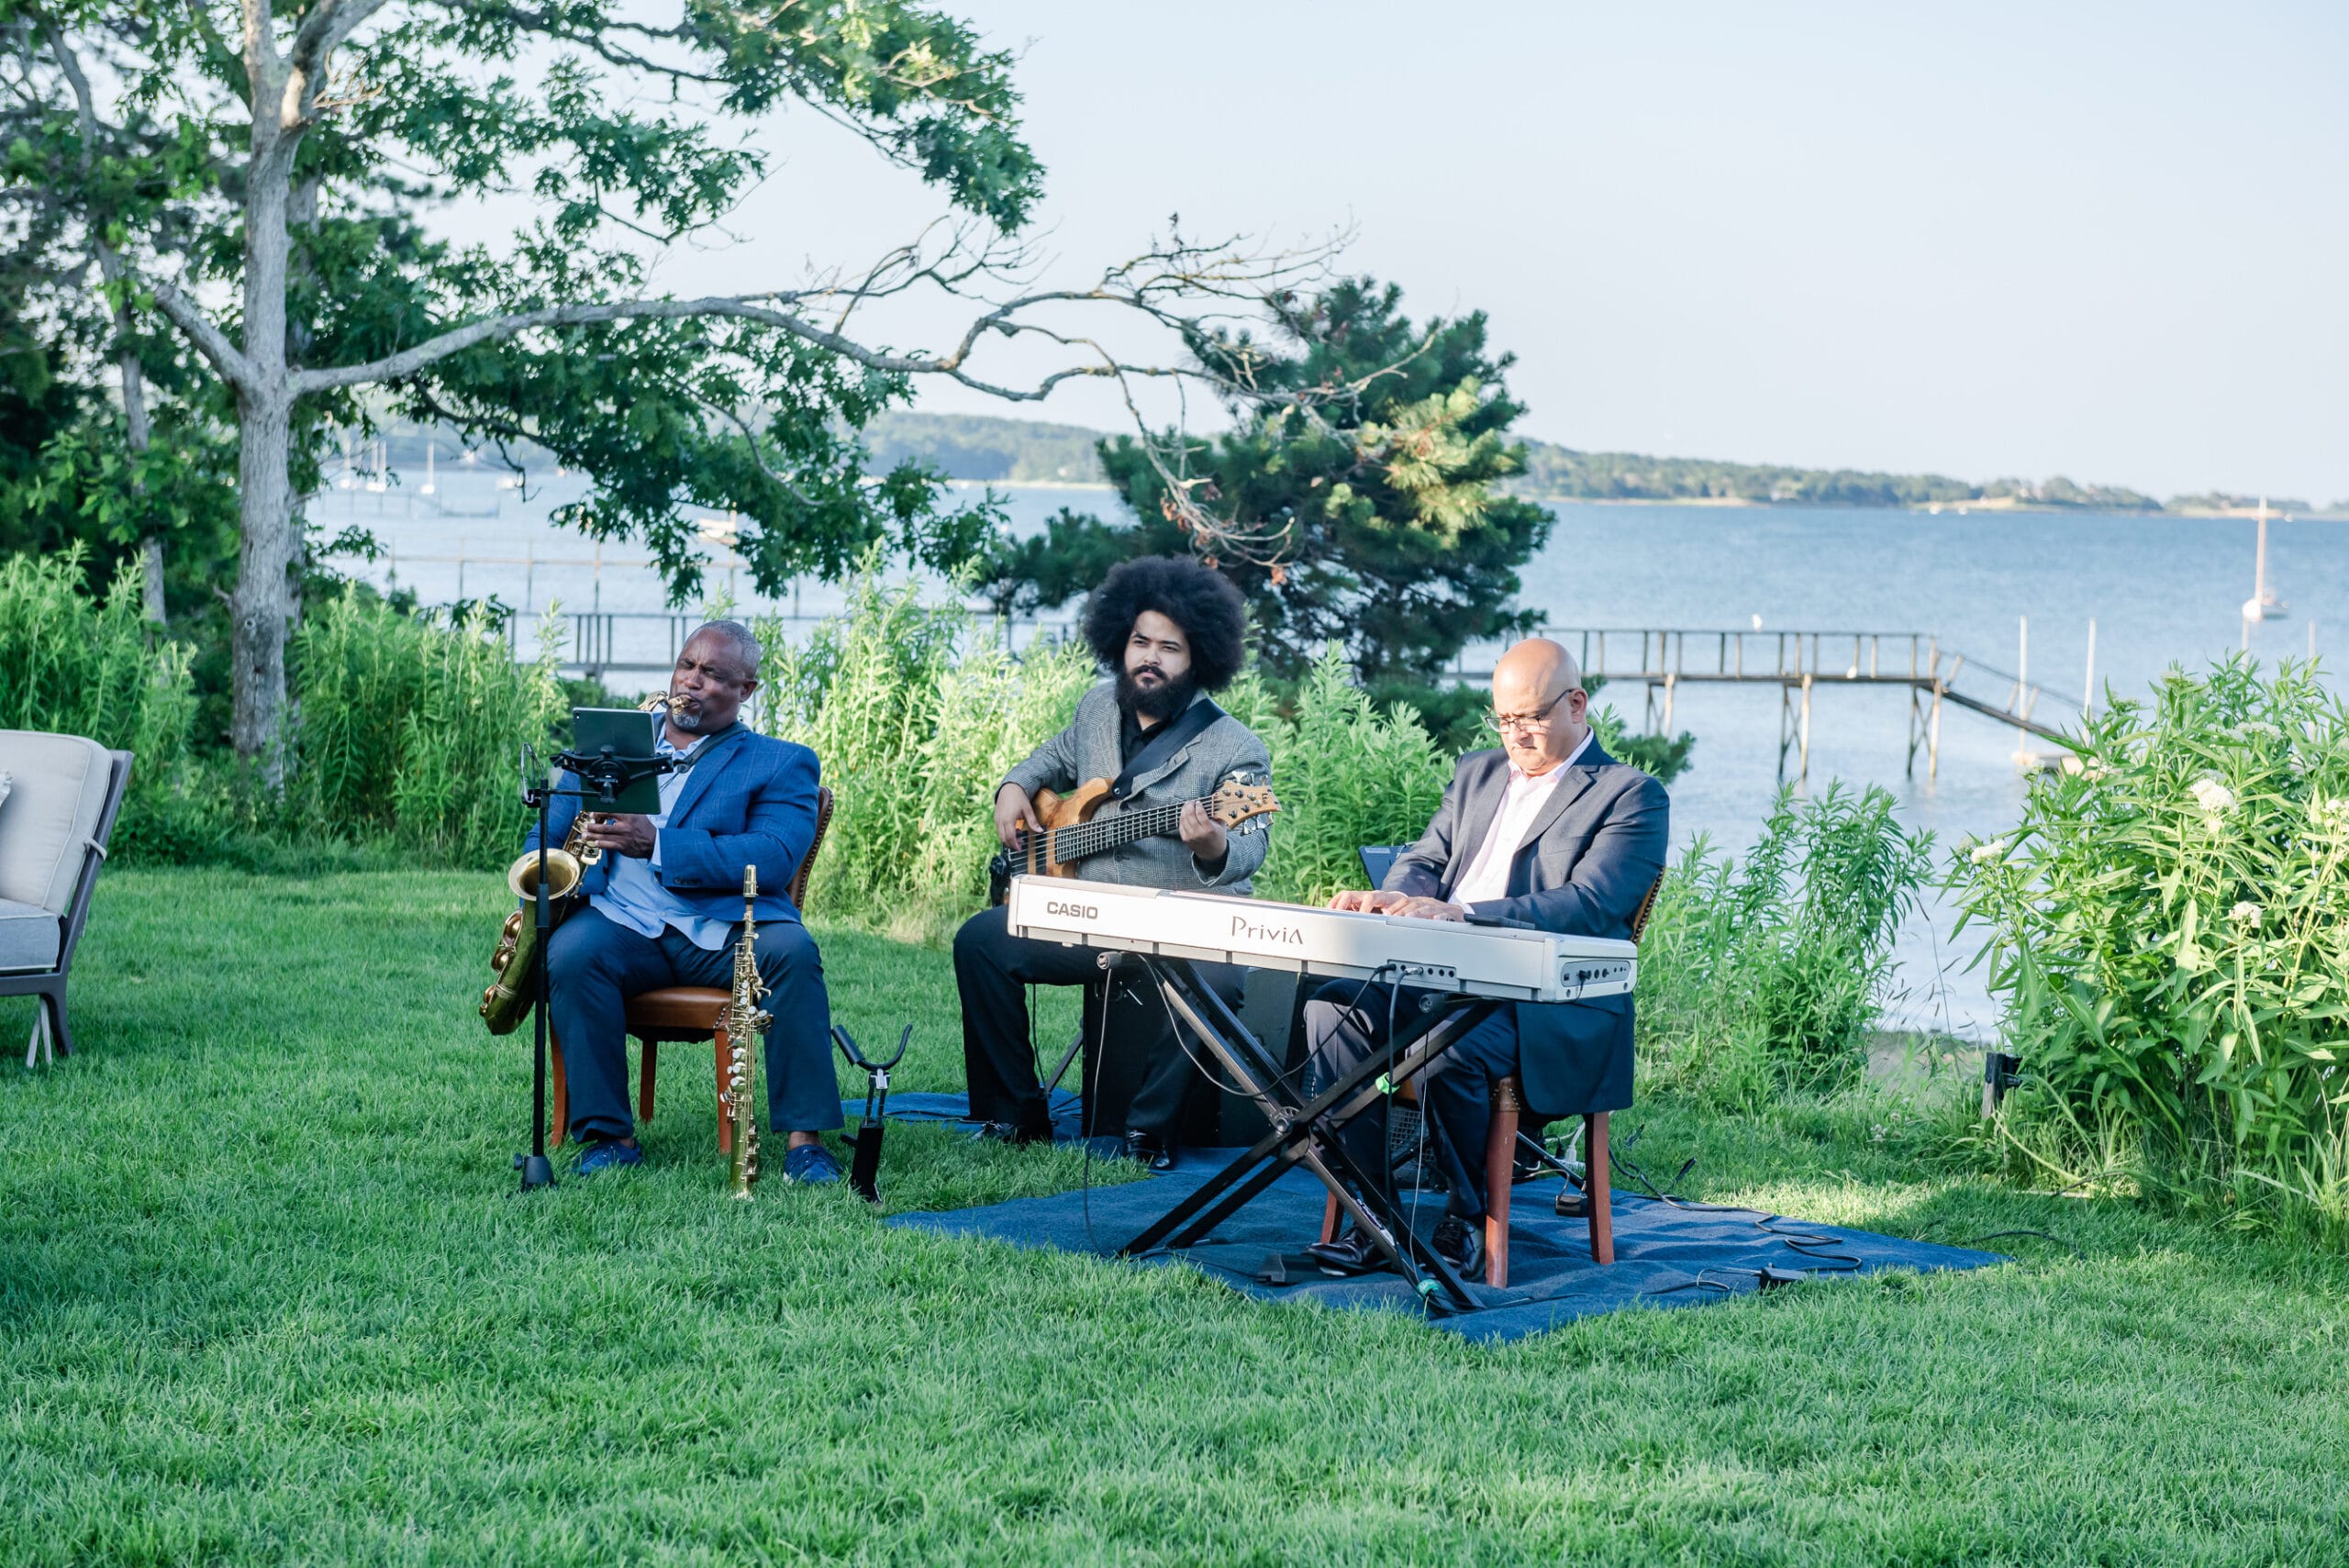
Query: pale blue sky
<point>2110,240</point>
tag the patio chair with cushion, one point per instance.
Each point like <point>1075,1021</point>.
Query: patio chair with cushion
<point>62,794</point>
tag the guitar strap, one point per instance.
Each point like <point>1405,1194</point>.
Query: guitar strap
<point>1169,739</point>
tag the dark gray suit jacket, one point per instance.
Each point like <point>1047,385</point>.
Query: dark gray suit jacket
<point>1591,856</point>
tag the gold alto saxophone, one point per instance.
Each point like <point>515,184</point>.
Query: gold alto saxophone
<point>745,1021</point>
<point>512,966</point>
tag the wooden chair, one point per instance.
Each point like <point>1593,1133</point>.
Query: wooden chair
<point>684,1014</point>
<point>1508,1112</point>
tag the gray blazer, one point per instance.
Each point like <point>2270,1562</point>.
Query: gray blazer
<point>1582,870</point>
<point>1087,750</point>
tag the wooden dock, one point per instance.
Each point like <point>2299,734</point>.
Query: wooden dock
<point>1798,663</point>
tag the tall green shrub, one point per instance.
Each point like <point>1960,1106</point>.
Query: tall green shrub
<point>1346,774</point>
<point>917,712</point>
<point>411,726</point>
<point>2168,924</point>
<point>1765,975</point>
<point>75,663</point>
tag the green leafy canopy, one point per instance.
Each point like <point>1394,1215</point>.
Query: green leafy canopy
<point>624,130</point>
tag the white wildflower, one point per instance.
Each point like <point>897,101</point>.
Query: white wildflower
<point>2245,913</point>
<point>1983,854</point>
<point>2261,727</point>
<point>2211,795</point>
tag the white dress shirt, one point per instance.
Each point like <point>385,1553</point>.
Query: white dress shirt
<point>633,895</point>
<point>1486,877</point>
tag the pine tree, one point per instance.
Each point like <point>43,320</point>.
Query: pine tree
<point>1355,500</point>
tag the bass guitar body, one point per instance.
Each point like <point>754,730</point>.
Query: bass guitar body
<point>1034,857</point>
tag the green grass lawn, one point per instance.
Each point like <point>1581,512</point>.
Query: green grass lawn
<point>268,1295</point>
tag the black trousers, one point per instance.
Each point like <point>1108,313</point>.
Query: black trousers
<point>1345,1024</point>
<point>991,966</point>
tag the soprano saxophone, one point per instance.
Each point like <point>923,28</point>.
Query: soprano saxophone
<point>746,1021</point>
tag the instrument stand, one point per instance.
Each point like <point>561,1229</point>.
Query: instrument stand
<point>864,1143</point>
<point>607,775</point>
<point>1304,1132</point>
<point>536,1170</point>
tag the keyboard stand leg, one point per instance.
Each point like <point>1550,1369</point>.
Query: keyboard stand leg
<point>1303,1135</point>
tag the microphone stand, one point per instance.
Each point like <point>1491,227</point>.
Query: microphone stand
<point>605,776</point>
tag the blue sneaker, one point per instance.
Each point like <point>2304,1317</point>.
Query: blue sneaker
<point>811,1163</point>
<point>605,1154</point>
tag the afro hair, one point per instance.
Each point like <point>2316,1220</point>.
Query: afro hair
<point>1195,598</point>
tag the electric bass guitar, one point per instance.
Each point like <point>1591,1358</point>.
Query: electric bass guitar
<point>1074,830</point>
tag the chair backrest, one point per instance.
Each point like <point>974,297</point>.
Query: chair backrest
<point>1647,908</point>
<point>60,790</point>
<point>807,860</point>
<point>1377,859</point>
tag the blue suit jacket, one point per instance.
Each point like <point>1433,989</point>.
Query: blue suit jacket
<point>751,800</point>
<point>1581,870</point>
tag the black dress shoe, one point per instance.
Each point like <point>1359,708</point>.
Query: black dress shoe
<point>1013,1132</point>
<point>1460,1242</point>
<point>1351,1253</point>
<point>1147,1147</point>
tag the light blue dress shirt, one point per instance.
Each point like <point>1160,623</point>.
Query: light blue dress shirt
<point>633,895</point>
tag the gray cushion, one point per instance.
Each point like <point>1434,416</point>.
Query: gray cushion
<point>28,937</point>
<point>52,813</point>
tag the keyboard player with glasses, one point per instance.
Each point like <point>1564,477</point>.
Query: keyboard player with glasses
<point>1546,830</point>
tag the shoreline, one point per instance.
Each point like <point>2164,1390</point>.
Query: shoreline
<point>2000,505</point>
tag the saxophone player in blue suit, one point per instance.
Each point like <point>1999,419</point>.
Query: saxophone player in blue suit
<point>664,907</point>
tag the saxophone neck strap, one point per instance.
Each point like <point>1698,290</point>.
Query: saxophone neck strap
<point>699,748</point>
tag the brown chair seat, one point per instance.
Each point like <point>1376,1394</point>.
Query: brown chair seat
<point>675,1012</point>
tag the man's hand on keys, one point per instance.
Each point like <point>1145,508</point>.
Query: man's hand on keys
<point>1380,902</point>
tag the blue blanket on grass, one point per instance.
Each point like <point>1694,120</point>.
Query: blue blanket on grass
<point>1666,1254</point>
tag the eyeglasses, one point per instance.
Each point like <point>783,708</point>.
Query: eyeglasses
<point>1534,723</point>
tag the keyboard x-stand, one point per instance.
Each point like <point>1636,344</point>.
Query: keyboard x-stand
<point>1305,1132</point>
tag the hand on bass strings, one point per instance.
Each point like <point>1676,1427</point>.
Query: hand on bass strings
<point>1012,810</point>
<point>620,833</point>
<point>1202,834</point>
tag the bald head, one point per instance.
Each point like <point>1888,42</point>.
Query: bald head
<point>1539,683</point>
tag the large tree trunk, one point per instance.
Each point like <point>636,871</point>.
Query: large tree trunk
<point>134,414</point>
<point>263,603</point>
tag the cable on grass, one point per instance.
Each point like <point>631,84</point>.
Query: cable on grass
<point>2078,1251</point>
<point>1809,1245</point>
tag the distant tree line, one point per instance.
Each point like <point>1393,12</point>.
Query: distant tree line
<point>1027,451</point>
<point>1555,472</point>
<point>974,446</point>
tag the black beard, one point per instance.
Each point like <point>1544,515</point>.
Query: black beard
<point>1159,702</point>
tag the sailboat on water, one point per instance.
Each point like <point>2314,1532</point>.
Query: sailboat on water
<point>2264,604</point>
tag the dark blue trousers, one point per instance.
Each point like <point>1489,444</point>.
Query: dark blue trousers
<point>1346,1022</point>
<point>597,964</point>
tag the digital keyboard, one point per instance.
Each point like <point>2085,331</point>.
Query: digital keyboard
<point>1494,962</point>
